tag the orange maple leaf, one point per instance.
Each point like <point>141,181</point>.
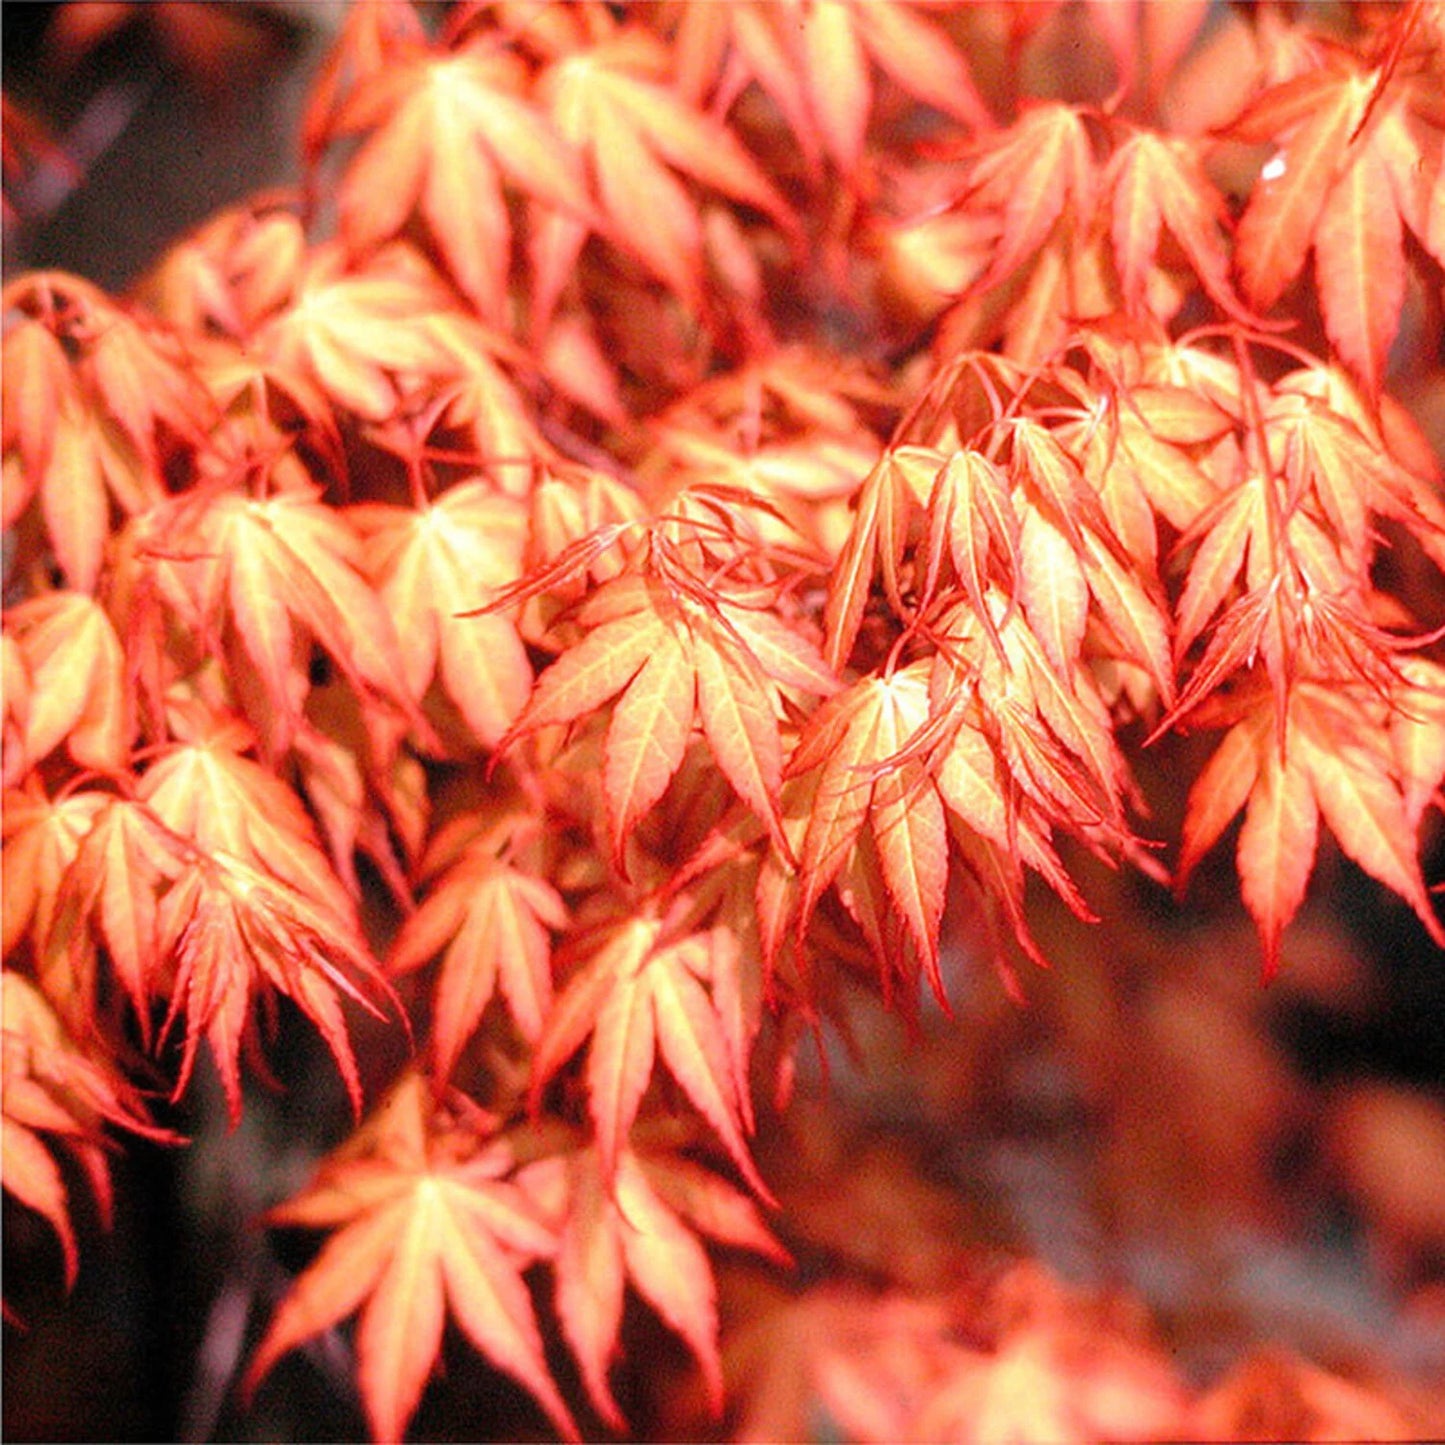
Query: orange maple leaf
<point>75,672</point>
<point>1292,531</point>
<point>94,398</point>
<point>813,62</point>
<point>363,335</point>
<point>110,895</point>
<point>231,273</point>
<point>427,1222</point>
<point>254,568</point>
<point>1337,761</point>
<point>614,104</point>
<point>431,565</point>
<point>256,908</point>
<point>491,922</point>
<point>443,130</point>
<point>1037,173</point>
<point>227,931</point>
<point>1157,183</point>
<point>715,655</point>
<point>374,34</point>
<point>642,1223</point>
<point>639,992</point>
<point>856,742</point>
<point>42,837</point>
<point>1357,160</point>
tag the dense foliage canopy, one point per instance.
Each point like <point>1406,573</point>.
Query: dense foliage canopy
<point>696,520</point>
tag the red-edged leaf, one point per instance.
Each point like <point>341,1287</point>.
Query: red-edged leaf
<point>636,131</point>
<point>42,838</point>
<point>433,565</point>
<point>637,995</point>
<point>1136,620</point>
<point>648,734</point>
<point>113,885</point>
<point>841,739</point>
<point>1032,171</point>
<point>53,1087</point>
<point>1158,181</point>
<point>907,819</point>
<point>1052,588</point>
<point>1220,791</point>
<point>586,676</point>
<point>693,1041</point>
<point>671,1271</point>
<point>444,130</point>
<point>419,1234</point>
<point>77,685</point>
<point>491,923</point>
<point>1286,202</point>
<point>738,718</point>
<point>1277,847</point>
<point>1360,268</point>
<point>1351,773</point>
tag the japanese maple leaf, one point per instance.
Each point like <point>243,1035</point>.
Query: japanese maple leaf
<point>373,35</point>
<point>229,932</point>
<point>997,828</point>
<point>256,909</point>
<point>639,993</point>
<point>855,742</point>
<point>426,1223</point>
<point>892,496</point>
<point>230,274</point>
<point>1157,183</point>
<point>360,334</point>
<point>93,399</point>
<point>1325,441</point>
<point>1148,38</point>
<point>443,131</point>
<point>110,895</point>
<point>641,1223</point>
<point>1337,762</point>
<point>207,792</point>
<point>1297,534</point>
<point>481,400</point>
<point>367,793</point>
<point>492,923</point>
<point>75,670</point>
<point>1052,729</point>
<point>1070,563</point>
<point>612,101</point>
<point>1357,161</point>
<point>1035,527</point>
<point>578,508</point>
<point>1142,447</point>
<point>51,1087</point>
<point>719,657</point>
<point>432,564</point>
<point>813,61</point>
<point>283,571</point>
<point>42,837</point>
<point>1039,171</point>
<point>803,481</point>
